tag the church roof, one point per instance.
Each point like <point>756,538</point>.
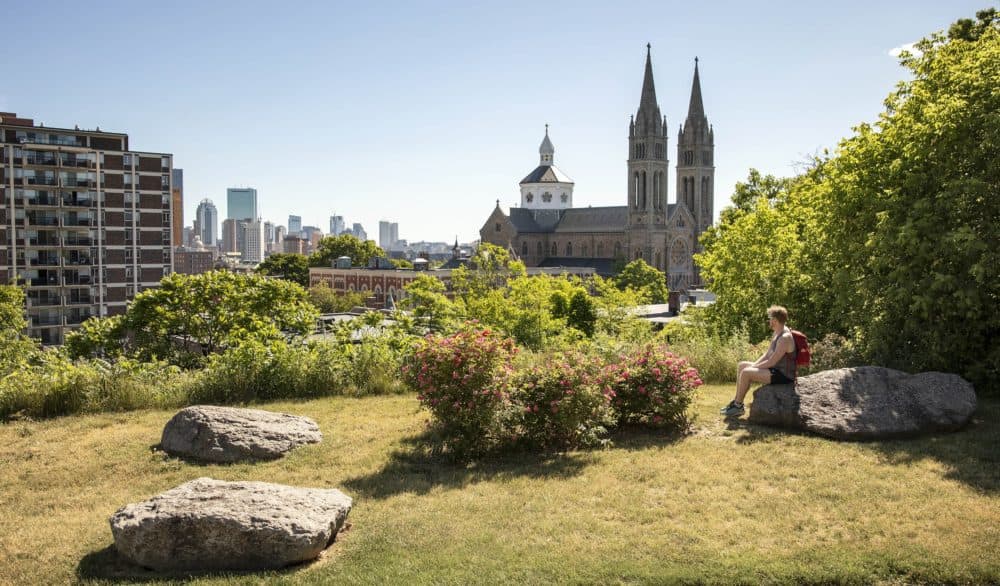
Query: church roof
<point>524,220</point>
<point>546,174</point>
<point>602,219</point>
<point>601,266</point>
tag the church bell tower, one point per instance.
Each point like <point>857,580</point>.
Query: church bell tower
<point>695,161</point>
<point>647,170</point>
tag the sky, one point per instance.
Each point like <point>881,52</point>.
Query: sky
<point>426,113</point>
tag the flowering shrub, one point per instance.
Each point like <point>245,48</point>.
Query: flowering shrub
<point>561,402</point>
<point>463,380</point>
<point>650,385</point>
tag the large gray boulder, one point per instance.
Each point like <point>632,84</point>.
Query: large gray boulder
<point>229,434</point>
<point>208,525</point>
<point>867,402</point>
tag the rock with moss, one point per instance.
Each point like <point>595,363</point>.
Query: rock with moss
<point>229,434</point>
<point>867,403</point>
<point>213,525</point>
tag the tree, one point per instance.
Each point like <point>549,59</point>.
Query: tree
<point>330,248</point>
<point>425,296</point>
<point>15,346</point>
<point>641,277</point>
<point>913,211</point>
<point>292,267</point>
<point>582,314</point>
<point>327,300</point>
<point>194,315</point>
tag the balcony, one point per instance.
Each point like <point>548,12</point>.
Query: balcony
<point>36,180</point>
<point>44,261</point>
<point>45,320</point>
<point>75,182</point>
<point>80,300</point>
<point>79,241</point>
<point>41,241</point>
<point>42,200</point>
<point>44,282</point>
<point>77,201</point>
<point>40,220</point>
<point>78,261</point>
<point>44,301</point>
<point>73,221</point>
<point>47,161</point>
<point>71,279</point>
<point>71,161</point>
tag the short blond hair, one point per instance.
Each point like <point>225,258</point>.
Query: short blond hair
<point>779,313</point>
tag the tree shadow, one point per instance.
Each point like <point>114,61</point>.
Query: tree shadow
<point>421,466</point>
<point>971,454</point>
<point>110,566</point>
<point>636,437</point>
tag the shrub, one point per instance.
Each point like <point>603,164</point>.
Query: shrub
<point>462,380</point>
<point>561,402</point>
<point>650,386</point>
<point>832,351</point>
<point>258,371</point>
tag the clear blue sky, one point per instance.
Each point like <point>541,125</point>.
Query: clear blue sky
<point>426,113</point>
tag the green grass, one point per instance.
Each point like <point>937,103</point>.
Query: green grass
<point>727,503</point>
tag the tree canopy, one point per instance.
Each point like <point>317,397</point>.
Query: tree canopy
<point>330,248</point>
<point>648,281</point>
<point>292,267</point>
<point>893,239</point>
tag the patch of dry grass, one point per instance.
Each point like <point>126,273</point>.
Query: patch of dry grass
<point>729,503</point>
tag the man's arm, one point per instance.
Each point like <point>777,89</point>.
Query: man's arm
<point>785,345</point>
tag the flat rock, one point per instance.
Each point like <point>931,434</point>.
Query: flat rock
<point>210,525</point>
<point>229,434</point>
<point>867,402</point>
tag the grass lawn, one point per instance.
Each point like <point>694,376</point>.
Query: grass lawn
<point>728,503</point>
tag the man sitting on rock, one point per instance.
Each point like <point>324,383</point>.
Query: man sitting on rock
<point>776,366</point>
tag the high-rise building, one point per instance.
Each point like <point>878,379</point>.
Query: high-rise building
<point>241,203</point>
<point>177,197</point>
<point>359,232</point>
<point>279,239</point>
<point>245,237</point>
<point>388,234</point>
<point>294,225</point>
<point>336,225</point>
<point>207,223</point>
<point>85,222</point>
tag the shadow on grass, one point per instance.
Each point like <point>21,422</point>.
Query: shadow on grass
<point>420,466</point>
<point>110,566</point>
<point>971,455</point>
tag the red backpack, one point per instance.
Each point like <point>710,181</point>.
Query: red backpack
<point>802,354</point>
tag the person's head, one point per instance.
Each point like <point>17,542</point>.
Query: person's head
<point>778,313</point>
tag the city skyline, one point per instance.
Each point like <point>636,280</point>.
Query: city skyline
<point>374,113</point>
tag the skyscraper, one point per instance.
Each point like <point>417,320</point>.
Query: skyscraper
<point>336,225</point>
<point>241,203</point>
<point>207,219</point>
<point>359,232</point>
<point>294,225</point>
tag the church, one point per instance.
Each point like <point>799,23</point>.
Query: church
<point>545,230</point>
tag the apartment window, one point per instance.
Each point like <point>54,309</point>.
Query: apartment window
<point>129,272</point>
<point>166,237</point>
<point>165,182</point>
<point>127,160</point>
<point>128,217</point>
<point>128,197</point>
<point>128,255</point>
<point>166,257</point>
<point>165,163</point>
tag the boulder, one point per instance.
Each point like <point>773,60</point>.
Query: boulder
<point>228,434</point>
<point>867,402</point>
<point>212,525</point>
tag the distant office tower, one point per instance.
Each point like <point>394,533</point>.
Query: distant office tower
<point>252,240</point>
<point>245,237</point>
<point>359,232</point>
<point>294,225</point>
<point>336,225</point>
<point>241,203</point>
<point>309,231</point>
<point>187,236</point>
<point>85,222</point>
<point>384,234</point>
<point>207,221</point>
<point>268,237</point>
<point>393,234</point>
<point>177,197</point>
<point>279,239</point>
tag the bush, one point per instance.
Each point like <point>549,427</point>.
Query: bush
<point>651,386</point>
<point>462,380</point>
<point>832,351</point>
<point>561,403</point>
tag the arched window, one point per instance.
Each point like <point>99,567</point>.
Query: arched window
<point>539,250</point>
<point>638,254</point>
<point>584,251</point>
<point>659,262</point>
<point>618,249</point>
<point>524,249</point>
<point>635,191</point>
<point>642,200</point>
<point>600,249</point>
<point>569,249</point>
<point>555,251</point>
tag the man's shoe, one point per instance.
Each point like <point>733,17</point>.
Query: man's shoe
<point>733,409</point>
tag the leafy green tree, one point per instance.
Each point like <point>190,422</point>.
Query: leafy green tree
<point>327,300</point>
<point>15,347</point>
<point>425,296</point>
<point>98,337</point>
<point>641,277</point>
<point>913,211</point>
<point>292,267</point>
<point>582,314</point>
<point>401,263</point>
<point>189,316</point>
<point>330,248</point>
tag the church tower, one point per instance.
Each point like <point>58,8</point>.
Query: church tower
<point>647,170</point>
<point>695,161</point>
<point>547,187</point>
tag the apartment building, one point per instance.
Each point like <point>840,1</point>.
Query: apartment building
<point>85,221</point>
